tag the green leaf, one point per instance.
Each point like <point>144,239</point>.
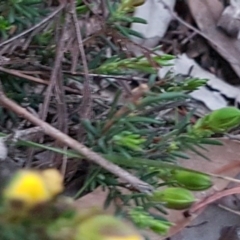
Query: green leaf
<point>139,20</point>
<point>122,30</point>
<point>143,120</point>
<point>89,127</point>
<point>211,141</point>
<point>162,97</point>
<point>110,7</point>
<point>179,154</point>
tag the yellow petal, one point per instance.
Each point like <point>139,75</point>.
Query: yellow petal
<point>28,187</point>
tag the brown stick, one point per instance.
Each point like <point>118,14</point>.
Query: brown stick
<point>86,105</point>
<point>20,74</point>
<point>56,69</point>
<point>80,148</point>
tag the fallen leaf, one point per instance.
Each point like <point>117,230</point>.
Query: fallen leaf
<point>206,14</point>
<point>212,99</point>
<point>158,19</point>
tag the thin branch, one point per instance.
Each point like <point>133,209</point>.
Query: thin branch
<point>44,21</point>
<point>120,77</point>
<point>54,83</point>
<point>56,67</point>
<point>86,104</point>
<point>34,79</point>
<point>229,209</point>
<point>125,86</point>
<point>80,148</point>
<point>22,75</point>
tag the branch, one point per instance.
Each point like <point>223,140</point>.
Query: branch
<point>72,143</point>
<point>53,85</point>
<point>20,74</point>
<point>95,75</point>
<point>86,106</point>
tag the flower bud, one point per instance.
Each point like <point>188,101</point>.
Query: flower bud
<point>174,198</point>
<point>192,180</point>
<point>129,140</point>
<point>105,227</point>
<point>219,121</point>
<point>146,220</point>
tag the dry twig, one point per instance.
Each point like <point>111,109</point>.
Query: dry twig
<point>80,148</point>
<point>20,74</point>
<point>86,105</point>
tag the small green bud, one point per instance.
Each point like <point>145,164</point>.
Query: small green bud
<point>174,198</point>
<point>129,140</point>
<point>218,121</point>
<point>144,219</point>
<point>193,84</point>
<point>192,180</point>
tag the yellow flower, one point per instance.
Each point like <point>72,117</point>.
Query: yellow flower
<point>32,188</point>
<point>27,187</point>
